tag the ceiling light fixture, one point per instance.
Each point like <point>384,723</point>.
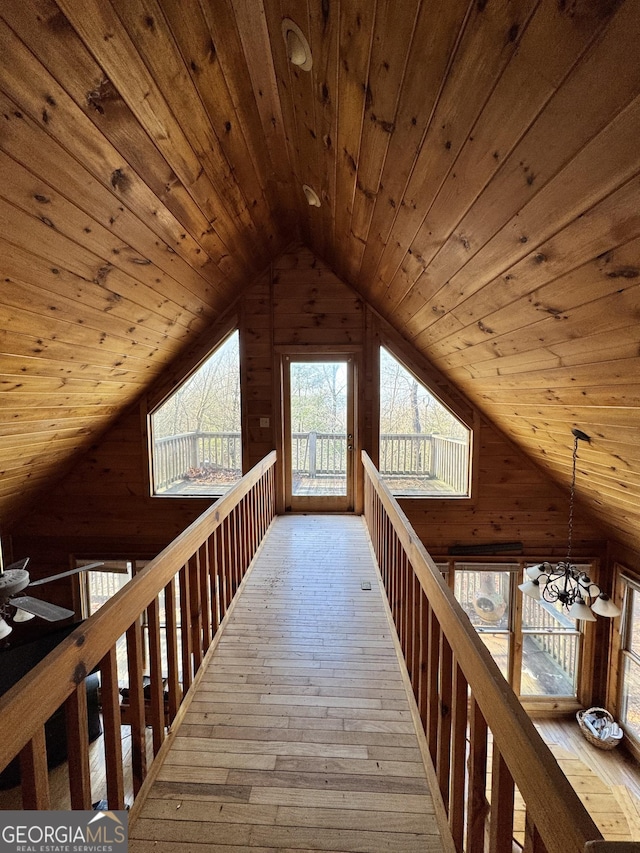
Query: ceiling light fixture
<point>298,50</point>
<point>564,582</point>
<point>312,196</point>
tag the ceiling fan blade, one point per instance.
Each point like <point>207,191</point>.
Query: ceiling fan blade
<point>50,612</point>
<point>86,568</point>
<point>19,564</point>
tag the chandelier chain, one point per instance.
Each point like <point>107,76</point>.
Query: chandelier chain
<point>572,495</point>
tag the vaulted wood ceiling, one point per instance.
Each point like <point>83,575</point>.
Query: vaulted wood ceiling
<point>478,165</point>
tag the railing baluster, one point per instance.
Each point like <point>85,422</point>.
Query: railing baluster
<point>457,800</point>
<point>110,703</point>
<point>173,667</point>
<point>136,705</point>
<point>243,537</point>
<point>78,748</point>
<point>251,522</point>
<point>236,547</point>
<point>156,699</point>
<point>501,810</point>
<point>443,757</point>
<point>34,773</point>
<point>423,689</point>
<point>417,633</point>
<point>228,563</point>
<point>433,667</point>
<point>185,627</point>
<point>478,806</point>
<point>195,611</point>
<point>533,842</point>
<point>213,584</point>
<point>205,596</point>
<point>407,573</point>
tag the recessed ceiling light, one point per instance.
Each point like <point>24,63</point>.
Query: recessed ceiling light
<point>298,49</point>
<point>312,196</point>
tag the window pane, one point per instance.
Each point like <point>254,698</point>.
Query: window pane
<point>631,696</point>
<point>498,645</point>
<point>197,444</point>
<point>549,663</point>
<point>319,428</point>
<point>103,583</point>
<point>424,449</point>
<point>484,596</point>
<point>633,615</point>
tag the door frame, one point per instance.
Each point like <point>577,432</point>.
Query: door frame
<point>285,501</point>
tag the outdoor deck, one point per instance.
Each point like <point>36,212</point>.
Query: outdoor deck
<point>300,735</point>
<point>322,486</point>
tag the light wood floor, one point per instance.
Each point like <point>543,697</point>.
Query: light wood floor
<point>300,735</point>
<point>59,777</point>
<point>607,782</point>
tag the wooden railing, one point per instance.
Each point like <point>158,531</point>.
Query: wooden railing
<point>314,454</point>
<point>176,455</point>
<point>556,637</point>
<point>406,454</point>
<point>449,462</point>
<point>466,706</point>
<point>202,569</point>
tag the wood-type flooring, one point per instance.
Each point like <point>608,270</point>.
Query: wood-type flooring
<point>300,735</point>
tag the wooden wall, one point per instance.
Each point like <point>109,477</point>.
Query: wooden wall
<point>477,165</point>
<point>103,507</point>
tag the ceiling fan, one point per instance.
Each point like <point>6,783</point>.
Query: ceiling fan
<point>14,579</point>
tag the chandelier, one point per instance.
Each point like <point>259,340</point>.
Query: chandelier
<point>564,582</point>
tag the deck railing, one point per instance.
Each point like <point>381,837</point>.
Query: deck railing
<point>314,454</point>
<point>558,638</point>
<point>196,578</point>
<point>175,456</point>
<point>462,699</point>
<point>449,462</point>
<point>319,454</point>
<point>408,454</point>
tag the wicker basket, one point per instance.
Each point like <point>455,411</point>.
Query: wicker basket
<point>603,731</point>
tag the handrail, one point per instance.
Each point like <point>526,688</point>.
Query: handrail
<point>447,662</point>
<point>210,558</point>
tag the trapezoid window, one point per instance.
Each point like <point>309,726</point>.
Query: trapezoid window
<point>424,448</point>
<point>196,438</point>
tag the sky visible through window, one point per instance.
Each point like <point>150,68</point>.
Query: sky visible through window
<point>424,448</point>
<point>197,442</point>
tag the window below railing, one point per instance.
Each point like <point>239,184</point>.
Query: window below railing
<point>537,647</point>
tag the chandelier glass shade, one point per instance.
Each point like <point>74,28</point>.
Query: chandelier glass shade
<point>565,583</point>
<point>573,588</point>
<point>5,628</point>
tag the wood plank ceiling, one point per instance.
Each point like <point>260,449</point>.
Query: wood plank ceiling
<point>478,167</point>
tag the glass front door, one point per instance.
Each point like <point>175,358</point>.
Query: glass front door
<point>319,433</point>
